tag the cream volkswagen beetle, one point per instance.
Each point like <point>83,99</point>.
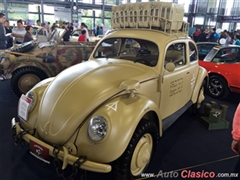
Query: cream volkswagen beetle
<point>106,114</point>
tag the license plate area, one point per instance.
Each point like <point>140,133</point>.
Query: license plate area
<point>40,152</point>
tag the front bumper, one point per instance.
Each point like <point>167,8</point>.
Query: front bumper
<point>63,155</point>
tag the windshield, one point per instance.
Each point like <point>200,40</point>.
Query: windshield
<point>56,34</point>
<point>77,33</point>
<point>136,50</point>
<point>204,49</point>
<point>210,55</point>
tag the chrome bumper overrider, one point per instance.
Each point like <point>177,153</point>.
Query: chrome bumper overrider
<point>63,154</point>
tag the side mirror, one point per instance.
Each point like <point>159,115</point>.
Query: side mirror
<point>170,67</point>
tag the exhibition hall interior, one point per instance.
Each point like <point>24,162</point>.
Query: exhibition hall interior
<point>119,89</point>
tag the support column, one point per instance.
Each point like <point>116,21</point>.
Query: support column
<point>42,11</point>
<point>39,14</point>
<point>5,8</point>
<point>103,9</point>
<point>191,14</point>
<point>94,19</point>
<point>218,24</point>
<point>94,15</point>
<point>234,26</point>
<point>74,12</point>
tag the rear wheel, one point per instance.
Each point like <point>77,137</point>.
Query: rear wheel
<point>25,78</point>
<point>195,108</point>
<point>136,158</point>
<point>218,87</point>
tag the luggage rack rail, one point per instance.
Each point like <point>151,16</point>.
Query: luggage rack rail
<point>163,16</point>
<point>167,23</point>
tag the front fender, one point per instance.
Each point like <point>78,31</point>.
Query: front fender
<point>30,63</point>
<point>123,114</point>
<point>202,75</point>
<point>38,91</point>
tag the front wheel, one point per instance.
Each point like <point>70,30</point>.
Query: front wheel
<point>25,78</point>
<point>136,158</point>
<point>218,87</point>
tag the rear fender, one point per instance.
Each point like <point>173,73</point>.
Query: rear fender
<point>123,114</point>
<point>202,75</point>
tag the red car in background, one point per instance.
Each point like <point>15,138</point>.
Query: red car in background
<point>223,66</point>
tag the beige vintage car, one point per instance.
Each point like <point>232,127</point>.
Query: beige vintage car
<point>106,114</point>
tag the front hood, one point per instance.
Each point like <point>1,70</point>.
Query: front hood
<point>78,90</point>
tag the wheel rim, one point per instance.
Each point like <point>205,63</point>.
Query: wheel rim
<point>27,81</point>
<point>215,87</point>
<point>142,154</point>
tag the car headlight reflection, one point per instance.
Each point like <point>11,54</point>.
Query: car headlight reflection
<point>32,96</point>
<point>97,128</point>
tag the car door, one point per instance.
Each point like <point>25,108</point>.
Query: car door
<point>177,86</point>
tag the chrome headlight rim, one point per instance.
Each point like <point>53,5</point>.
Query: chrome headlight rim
<point>32,95</point>
<point>98,128</point>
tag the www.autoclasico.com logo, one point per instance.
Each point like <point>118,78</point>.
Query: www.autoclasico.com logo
<point>188,174</point>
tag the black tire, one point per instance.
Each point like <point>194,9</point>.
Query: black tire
<point>218,87</point>
<point>147,132</point>
<point>195,108</point>
<point>25,78</point>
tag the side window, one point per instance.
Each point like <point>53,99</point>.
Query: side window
<point>192,52</point>
<point>176,54</point>
<point>227,55</point>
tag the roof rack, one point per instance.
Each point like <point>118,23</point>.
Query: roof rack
<point>163,16</point>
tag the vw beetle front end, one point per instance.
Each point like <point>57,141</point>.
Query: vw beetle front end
<point>83,120</point>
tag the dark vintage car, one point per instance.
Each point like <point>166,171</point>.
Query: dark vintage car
<point>204,48</point>
<point>223,66</point>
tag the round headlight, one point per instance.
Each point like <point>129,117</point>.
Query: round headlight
<point>97,128</point>
<point>31,95</point>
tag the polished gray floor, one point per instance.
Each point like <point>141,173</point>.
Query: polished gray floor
<point>186,145</point>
